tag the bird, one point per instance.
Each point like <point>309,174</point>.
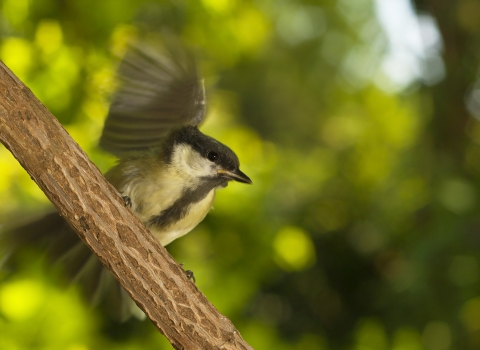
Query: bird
<point>168,171</point>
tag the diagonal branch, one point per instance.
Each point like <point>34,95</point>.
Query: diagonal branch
<point>97,212</point>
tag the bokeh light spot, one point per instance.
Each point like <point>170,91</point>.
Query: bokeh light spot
<point>457,195</point>
<point>219,6</point>
<point>17,54</point>
<point>407,339</point>
<point>122,36</point>
<point>301,23</point>
<point>370,335</point>
<point>437,336</point>
<point>470,314</point>
<point>78,347</point>
<point>294,249</point>
<point>49,36</point>
<point>251,28</point>
<point>20,300</point>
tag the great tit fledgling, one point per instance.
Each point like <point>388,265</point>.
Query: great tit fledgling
<point>168,171</point>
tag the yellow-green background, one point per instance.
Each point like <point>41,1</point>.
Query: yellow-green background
<point>361,230</point>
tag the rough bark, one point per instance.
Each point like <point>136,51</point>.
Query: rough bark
<point>97,212</point>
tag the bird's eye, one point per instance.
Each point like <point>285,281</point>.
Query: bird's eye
<point>212,156</point>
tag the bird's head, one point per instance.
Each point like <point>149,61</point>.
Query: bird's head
<point>201,158</point>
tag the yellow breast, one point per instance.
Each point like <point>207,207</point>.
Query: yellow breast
<point>196,213</point>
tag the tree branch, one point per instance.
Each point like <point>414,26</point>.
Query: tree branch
<point>97,212</point>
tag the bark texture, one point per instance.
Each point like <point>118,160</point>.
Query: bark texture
<point>96,211</point>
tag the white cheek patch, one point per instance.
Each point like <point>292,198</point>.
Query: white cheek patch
<point>190,162</point>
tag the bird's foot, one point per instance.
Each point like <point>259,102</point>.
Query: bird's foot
<point>189,274</point>
<point>127,201</point>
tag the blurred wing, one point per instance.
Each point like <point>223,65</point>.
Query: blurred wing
<point>158,92</point>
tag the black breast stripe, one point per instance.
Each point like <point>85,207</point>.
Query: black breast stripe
<point>179,209</point>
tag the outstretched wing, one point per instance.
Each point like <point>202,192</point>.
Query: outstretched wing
<point>159,91</point>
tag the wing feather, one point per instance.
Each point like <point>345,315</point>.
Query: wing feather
<point>159,91</point>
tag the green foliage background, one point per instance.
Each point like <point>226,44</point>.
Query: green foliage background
<point>361,230</point>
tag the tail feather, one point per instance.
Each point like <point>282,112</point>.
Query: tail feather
<point>52,234</point>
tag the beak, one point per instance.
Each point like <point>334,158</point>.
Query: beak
<point>236,175</point>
